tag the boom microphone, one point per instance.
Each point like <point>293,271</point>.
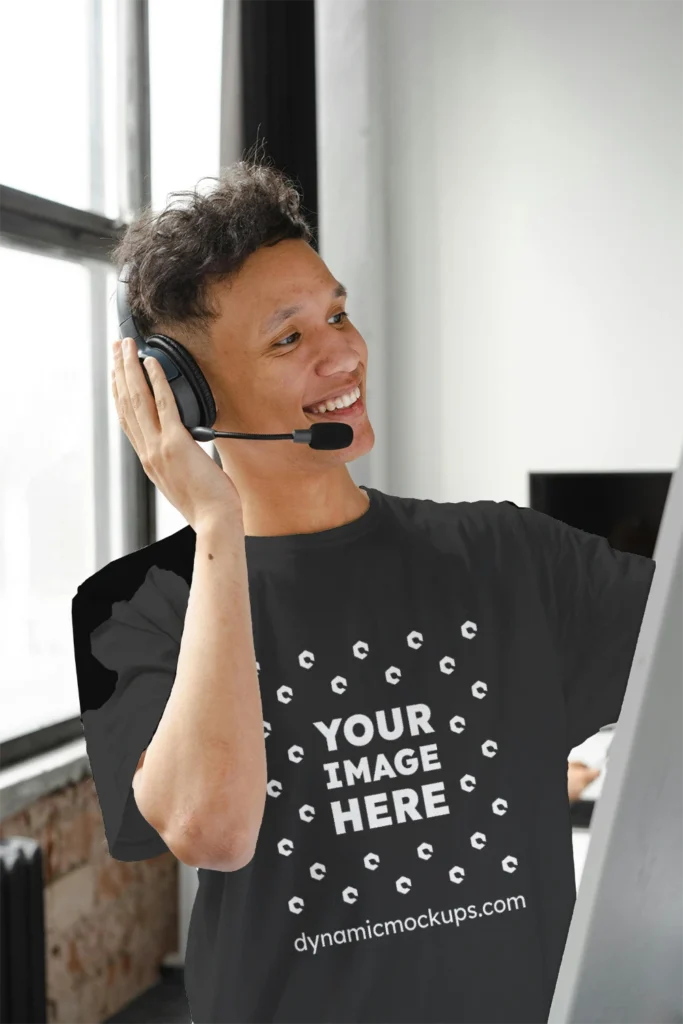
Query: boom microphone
<point>325,436</point>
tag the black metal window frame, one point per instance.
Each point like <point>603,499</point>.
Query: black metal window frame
<point>33,223</point>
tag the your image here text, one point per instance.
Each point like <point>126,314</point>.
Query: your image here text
<point>373,810</point>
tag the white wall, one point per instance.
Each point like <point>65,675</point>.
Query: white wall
<point>523,165</point>
<point>352,229</point>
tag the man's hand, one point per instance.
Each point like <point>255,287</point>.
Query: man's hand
<point>579,775</point>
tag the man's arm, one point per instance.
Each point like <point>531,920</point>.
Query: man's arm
<point>201,782</point>
<point>593,598</point>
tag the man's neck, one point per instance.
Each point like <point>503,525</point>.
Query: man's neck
<point>301,505</point>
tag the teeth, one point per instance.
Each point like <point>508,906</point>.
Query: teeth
<point>343,402</point>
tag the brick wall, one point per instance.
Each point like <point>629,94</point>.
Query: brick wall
<point>108,924</point>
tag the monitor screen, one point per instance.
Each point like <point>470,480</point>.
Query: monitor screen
<point>626,508</point>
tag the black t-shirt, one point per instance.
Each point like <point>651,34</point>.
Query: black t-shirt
<point>425,671</point>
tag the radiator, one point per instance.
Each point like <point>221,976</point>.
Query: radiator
<point>22,933</point>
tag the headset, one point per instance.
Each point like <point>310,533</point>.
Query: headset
<point>196,405</point>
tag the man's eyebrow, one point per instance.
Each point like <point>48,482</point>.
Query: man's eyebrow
<point>280,315</point>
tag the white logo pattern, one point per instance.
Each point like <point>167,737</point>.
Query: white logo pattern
<point>425,851</point>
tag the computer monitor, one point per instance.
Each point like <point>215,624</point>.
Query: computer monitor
<point>624,950</point>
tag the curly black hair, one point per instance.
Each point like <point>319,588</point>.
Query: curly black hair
<point>201,238</point>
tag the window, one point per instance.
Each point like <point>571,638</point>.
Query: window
<point>61,503</point>
<point>84,124</point>
<point>185,94</point>
<point>58,116</point>
<point>47,460</point>
<point>185,124</point>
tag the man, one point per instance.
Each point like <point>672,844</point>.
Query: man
<point>351,711</point>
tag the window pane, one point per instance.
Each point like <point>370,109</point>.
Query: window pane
<point>184,108</point>
<point>47,508</point>
<point>189,104</point>
<point>115,435</point>
<point>58,83</point>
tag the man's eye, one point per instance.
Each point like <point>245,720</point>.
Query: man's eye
<point>288,340</point>
<point>285,341</point>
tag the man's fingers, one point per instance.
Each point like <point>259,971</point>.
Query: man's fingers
<point>583,767</point>
<point>142,409</point>
<point>124,409</point>
<point>167,409</point>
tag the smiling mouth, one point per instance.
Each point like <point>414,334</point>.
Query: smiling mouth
<point>352,401</point>
<point>348,412</point>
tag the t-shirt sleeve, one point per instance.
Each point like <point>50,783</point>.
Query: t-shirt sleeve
<point>595,598</point>
<point>126,654</point>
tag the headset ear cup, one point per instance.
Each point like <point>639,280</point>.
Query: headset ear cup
<point>196,404</point>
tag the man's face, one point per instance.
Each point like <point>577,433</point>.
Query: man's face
<point>268,369</point>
